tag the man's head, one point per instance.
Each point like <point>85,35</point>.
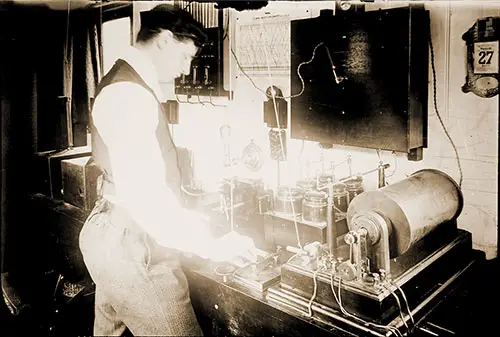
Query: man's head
<point>172,37</point>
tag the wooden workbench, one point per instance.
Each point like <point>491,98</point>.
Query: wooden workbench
<point>226,308</point>
<point>229,309</point>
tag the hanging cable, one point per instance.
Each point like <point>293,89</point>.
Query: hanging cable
<point>200,194</point>
<point>394,330</point>
<point>399,305</point>
<point>315,291</point>
<point>338,299</point>
<point>434,86</point>
<point>67,31</point>
<point>199,99</point>
<point>213,104</point>
<point>227,27</point>
<point>99,45</point>
<point>69,119</point>
<point>282,145</point>
<point>395,165</point>
<point>406,302</point>
<point>298,74</point>
<point>178,100</point>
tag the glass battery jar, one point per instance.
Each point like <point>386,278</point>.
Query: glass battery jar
<point>323,180</point>
<point>306,185</point>
<point>354,187</point>
<point>285,198</point>
<point>314,206</point>
<point>340,197</point>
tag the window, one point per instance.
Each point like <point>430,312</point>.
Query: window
<point>116,38</point>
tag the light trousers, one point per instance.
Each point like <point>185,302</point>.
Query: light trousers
<point>139,285</point>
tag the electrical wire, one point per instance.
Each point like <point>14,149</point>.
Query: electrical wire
<point>59,278</point>
<point>434,85</point>
<point>227,28</point>
<point>199,99</point>
<point>406,302</point>
<point>213,104</point>
<point>231,270</point>
<point>291,258</point>
<point>178,100</point>
<point>301,151</point>
<point>69,124</point>
<point>188,5</point>
<point>315,291</point>
<point>88,294</point>
<point>394,330</point>
<point>183,188</point>
<point>338,299</point>
<point>399,306</point>
<point>338,211</point>
<point>395,165</point>
<point>298,74</point>
<point>341,163</point>
<point>67,30</point>
<point>282,145</point>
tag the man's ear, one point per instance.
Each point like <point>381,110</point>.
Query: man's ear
<point>164,39</point>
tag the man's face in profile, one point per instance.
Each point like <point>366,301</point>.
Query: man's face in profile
<point>174,57</point>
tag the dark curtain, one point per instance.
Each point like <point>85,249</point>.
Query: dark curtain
<point>83,69</point>
<point>49,69</point>
<point>68,73</point>
<point>18,115</point>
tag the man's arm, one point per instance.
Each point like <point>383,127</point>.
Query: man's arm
<point>126,117</point>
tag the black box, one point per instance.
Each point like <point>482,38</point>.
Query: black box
<point>47,178</point>
<point>79,177</point>
<point>367,85</point>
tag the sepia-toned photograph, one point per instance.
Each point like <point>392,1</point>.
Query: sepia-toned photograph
<point>249,168</point>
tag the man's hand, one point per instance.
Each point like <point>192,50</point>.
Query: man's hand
<point>199,240</point>
<point>231,246</point>
<point>195,233</point>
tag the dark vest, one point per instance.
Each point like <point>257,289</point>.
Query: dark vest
<point>123,72</point>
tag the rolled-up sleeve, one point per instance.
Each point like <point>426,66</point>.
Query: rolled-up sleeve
<point>126,117</point>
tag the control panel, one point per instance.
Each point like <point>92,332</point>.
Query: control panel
<point>206,75</point>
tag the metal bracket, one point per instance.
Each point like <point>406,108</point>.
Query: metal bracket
<point>372,231</point>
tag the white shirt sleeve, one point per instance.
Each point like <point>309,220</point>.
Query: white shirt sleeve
<point>126,117</point>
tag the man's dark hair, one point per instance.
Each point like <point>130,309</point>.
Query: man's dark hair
<point>167,17</point>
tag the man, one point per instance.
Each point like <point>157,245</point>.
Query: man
<point>132,239</point>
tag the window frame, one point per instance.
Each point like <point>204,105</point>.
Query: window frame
<point>115,12</point>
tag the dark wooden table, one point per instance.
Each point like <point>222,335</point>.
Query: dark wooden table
<point>226,308</point>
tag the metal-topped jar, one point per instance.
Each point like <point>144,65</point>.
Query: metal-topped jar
<point>323,180</point>
<point>354,187</point>
<point>285,198</point>
<point>306,185</point>
<point>314,206</point>
<point>340,197</point>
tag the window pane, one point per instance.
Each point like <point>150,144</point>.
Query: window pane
<point>115,39</point>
